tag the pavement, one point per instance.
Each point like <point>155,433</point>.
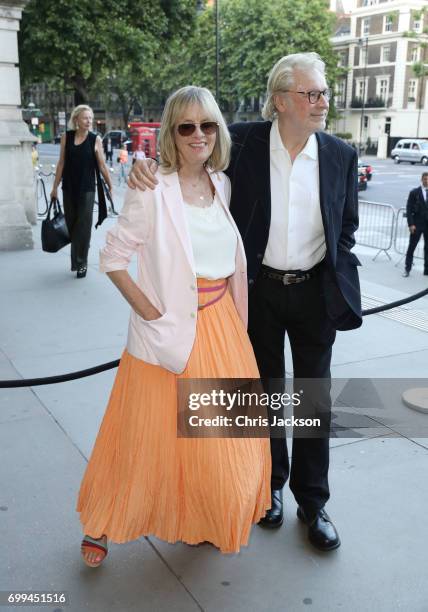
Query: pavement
<point>52,323</point>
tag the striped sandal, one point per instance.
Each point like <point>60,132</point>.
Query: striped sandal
<point>92,545</point>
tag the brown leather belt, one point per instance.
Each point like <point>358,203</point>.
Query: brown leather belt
<point>290,277</point>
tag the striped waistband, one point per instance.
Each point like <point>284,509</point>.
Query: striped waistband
<point>220,287</point>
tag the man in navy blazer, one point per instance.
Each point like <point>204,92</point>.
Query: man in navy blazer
<point>417,220</point>
<point>282,170</point>
<point>295,202</point>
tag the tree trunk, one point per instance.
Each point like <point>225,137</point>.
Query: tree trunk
<point>80,87</point>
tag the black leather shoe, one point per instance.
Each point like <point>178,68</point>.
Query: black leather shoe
<point>321,532</point>
<point>275,516</point>
<point>81,272</point>
<point>406,273</point>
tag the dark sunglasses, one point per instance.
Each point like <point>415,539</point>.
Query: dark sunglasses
<point>207,128</point>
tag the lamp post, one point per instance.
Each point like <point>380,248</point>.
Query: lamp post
<point>200,7</point>
<point>217,51</point>
<point>361,43</point>
<point>422,74</point>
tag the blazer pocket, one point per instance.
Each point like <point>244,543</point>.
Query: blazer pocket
<point>151,321</point>
<point>354,259</point>
<point>351,257</point>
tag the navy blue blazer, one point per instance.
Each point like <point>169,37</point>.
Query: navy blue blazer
<point>249,172</point>
<point>417,208</point>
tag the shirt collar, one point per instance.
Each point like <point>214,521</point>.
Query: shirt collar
<point>309,150</point>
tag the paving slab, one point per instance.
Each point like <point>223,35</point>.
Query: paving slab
<point>40,472</point>
<point>380,566</point>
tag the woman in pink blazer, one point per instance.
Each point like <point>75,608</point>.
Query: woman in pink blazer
<point>188,321</point>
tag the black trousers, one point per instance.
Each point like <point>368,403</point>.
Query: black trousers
<point>78,211</point>
<point>413,243</point>
<point>298,310</point>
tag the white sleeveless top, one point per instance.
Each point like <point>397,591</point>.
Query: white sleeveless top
<point>213,240</point>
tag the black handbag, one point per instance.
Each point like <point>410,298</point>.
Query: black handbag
<point>54,231</point>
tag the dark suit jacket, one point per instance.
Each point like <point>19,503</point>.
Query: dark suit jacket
<point>249,172</point>
<point>417,209</point>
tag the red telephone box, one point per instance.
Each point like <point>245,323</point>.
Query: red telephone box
<point>144,138</point>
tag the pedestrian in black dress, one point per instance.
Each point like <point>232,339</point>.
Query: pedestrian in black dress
<point>81,158</point>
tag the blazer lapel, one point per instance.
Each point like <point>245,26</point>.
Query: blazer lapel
<point>261,160</point>
<point>173,200</point>
<point>330,171</point>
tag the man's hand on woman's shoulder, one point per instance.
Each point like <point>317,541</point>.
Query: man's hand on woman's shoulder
<point>143,174</point>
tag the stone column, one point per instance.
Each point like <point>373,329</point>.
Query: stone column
<point>17,200</point>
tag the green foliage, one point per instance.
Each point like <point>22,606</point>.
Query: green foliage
<point>145,49</point>
<point>254,35</point>
<point>344,135</point>
<point>84,42</point>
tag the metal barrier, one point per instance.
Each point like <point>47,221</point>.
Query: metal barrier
<point>401,236</point>
<point>376,228</point>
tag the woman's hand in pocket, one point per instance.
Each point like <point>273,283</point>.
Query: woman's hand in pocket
<point>133,295</point>
<point>150,313</point>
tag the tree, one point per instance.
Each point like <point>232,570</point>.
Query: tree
<point>84,42</point>
<point>254,35</point>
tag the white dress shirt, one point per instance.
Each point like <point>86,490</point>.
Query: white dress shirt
<point>296,235</point>
<point>213,240</point>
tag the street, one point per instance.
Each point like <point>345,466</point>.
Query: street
<point>391,183</point>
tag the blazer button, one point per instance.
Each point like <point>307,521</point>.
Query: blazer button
<point>259,255</point>
<point>192,287</point>
<point>192,314</point>
<point>251,281</point>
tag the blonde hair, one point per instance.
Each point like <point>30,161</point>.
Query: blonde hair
<point>75,113</point>
<point>281,77</point>
<point>174,108</point>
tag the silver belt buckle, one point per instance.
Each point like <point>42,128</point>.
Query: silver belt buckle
<point>289,279</point>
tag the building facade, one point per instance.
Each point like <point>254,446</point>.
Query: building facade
<point>383,94</point>
<point>17,202</point>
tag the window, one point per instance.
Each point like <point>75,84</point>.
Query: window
<point>340,93</point>
<point>406,145</point>
<point>365,26</point>
<point>417,25</point>
<point>341,58</point>
<point>361,89</point>
<point>382,88</point>
<point>388,21</point>
<point>414,54</point>
<point>386,54</point>
<point>411,90</point>
<point>363,56</point>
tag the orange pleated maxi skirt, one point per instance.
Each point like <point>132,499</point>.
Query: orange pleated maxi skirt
<point>143,480</point>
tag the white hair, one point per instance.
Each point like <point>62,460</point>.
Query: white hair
<point>72,123</point>
<point>281,77</point>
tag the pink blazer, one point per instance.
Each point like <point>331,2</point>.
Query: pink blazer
<point>153,224</point>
